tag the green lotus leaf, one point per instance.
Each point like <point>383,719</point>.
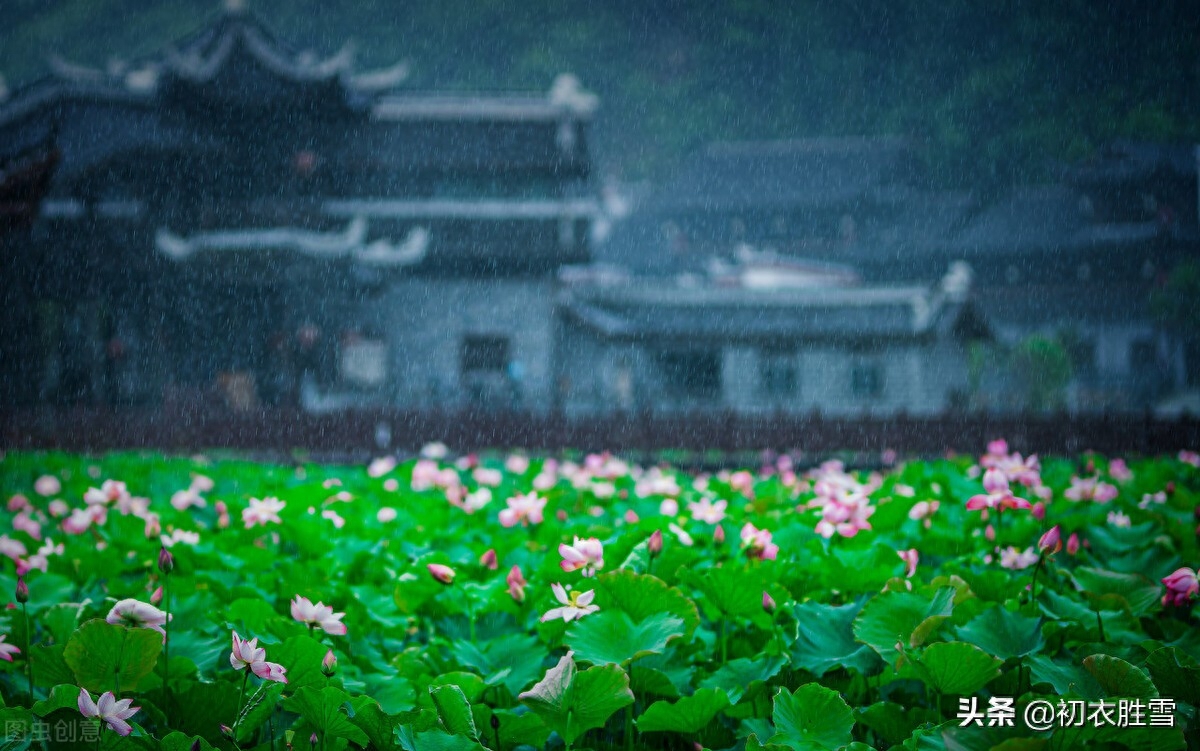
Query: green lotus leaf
<point>1175,674</point>
<point>326,710</point>
<point>103,655</point>
<point>737,677</point>
<point>611,636</point>
<point>688,715</point>
<point>957,667</point>
<point>825,640</point>
<point>1003,633</point>
<point>813,717</point>
<point>1119,678</point>
<point>571,702</point>
<point>902,617</point>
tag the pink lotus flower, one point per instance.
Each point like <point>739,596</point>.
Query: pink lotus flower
<point>757,543</point>
<point>574,607</point>
<point>586,554</point>
<point>262,512</point>
<point>910,558</point>
<point>134,614</point>
<point>329,664</point>
<point>719,535</point>
<point>47,485</point>
<point>11,548</point>
<point>1012,558</point>
<point>1119,470</point>
<point>7,650</point>
<point>247,655</point>
<point>488,560</point>
<point>110,491</point>
<point>524,510</point>
<point>1182,585</point>
<point>1051,542</point>
<point>1073,544</point>
<point>319,615</point>
<point>108,709</point>
<point>655,544</point>
<point>997,494</point>
<point>1190,457</point>
<point>386,514</point>
<point>78,522</point>
<point>442,573</point>
<point>1090,489</point>
<point>185,499</point>
<point>19,502</point>
<point>487,476</point>
<point>708,511</point>
<point>381,466</point>
<point>1119,519</point>
<point>516,584</point>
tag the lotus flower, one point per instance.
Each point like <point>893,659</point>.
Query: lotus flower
<point>134,614</point>
<point>488,560</point>
<point>910,558</point>
<point>262,512</point>
<point>586,554</point>
<point>247,655</point>
<point>1090,489</point>
<point>1012,558</point>
<point>7,650</point>
<point>108,709</point>
<point>757,543</point>
<point>1181,586</point>
<point>574,607</point>
<point>997,494</point>
<point>319,615</point>
<point>1073,544</point>
<point>523,509</point>
<point>707,511</point>
<point>47,485</point>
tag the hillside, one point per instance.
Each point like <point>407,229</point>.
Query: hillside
<point>993,91</point>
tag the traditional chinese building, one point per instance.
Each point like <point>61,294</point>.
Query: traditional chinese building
<point>236,217</point>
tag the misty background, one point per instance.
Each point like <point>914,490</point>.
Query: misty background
<point>990,92</point>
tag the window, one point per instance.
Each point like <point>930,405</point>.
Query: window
<point>695,374</point>
<point>777,374</point>
<point>483,353</point>
<point>866,380</point>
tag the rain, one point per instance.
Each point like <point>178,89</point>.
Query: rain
<point>618,223</point>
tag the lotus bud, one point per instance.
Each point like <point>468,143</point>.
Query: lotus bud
<point>444,574</point>
<point>719,535</point>
<point>655,544</point>
<point>561,515</point>
<point>631,517</point>
<point>494,721</point>
<point>166,561</point>
<point>516,584</point>
<point>22,590</point>
<point>329,664</point>
<point>226,731</point>
<point>153,526</point>
<point>488,560</point>
<point>313,740</point>
<point>1051,542</point>
<point>1038,511</point>
<point>989,533</point>
<point>1073,544</point>
<point>156,596</point>
<point>768,602</point>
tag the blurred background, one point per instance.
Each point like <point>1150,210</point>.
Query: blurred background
<point>770,211</point>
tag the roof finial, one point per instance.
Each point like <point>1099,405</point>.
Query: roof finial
<point>235,7</point>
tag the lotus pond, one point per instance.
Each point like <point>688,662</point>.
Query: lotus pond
<point>509,602</point>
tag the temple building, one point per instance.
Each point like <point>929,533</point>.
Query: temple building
<point>239,219</point>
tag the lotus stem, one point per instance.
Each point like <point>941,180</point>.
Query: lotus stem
<point>28,654</point>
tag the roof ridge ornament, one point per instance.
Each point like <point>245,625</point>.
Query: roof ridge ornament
<point>567,92</point>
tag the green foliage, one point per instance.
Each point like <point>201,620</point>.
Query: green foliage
<point>869,650</point>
